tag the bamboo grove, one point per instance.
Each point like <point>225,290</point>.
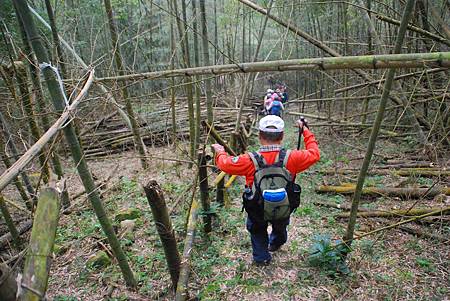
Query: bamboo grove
<point>84,80</point>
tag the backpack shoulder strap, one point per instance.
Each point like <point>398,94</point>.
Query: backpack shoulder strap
<point>280,158</point>
<point>257,160</point>
<point>286,157</point>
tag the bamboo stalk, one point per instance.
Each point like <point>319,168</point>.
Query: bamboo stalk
<point>9,222</point>
<point>204,194</point>
<point>155,198</point>
<point>376,127</point>
<point>39,257</point>
<point>72,139</point>
<point>139,145</point>
<point>181,293</point>
<point>384,61</point>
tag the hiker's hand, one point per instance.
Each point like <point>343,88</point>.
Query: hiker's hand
<point>218,148</point>
<point>302,122</point>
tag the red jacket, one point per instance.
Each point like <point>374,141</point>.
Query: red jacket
<point>298,161</point>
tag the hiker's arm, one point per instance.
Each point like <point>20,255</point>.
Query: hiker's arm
<point>240,166</point>
<point>299,160</point>
<point>282,106</point>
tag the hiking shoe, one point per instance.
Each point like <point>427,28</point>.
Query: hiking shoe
<point>262,263</point>
<point>273,248</point>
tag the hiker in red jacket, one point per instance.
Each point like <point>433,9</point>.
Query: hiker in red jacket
<point>270,191</point>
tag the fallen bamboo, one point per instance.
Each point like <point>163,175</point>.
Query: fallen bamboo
<point>397,213</point>
<point>410,192</point>
<point>423,172</point>
<point>38,260</point>
<point>415,218</point>
<point>419,30</point>
<point>34,150</point>
<point>385,61</point>
<point>22,228</point>
<point>334,205</point>
<point>382,80</point>
<point>181,293</point>
<point>155,198</point>
<point>421,233</point>
<point>9,222</point>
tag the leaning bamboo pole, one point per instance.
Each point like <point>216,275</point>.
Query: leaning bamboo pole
<point>383,61</point>
<point>183,279</point>
<point>376,126</point>
<point>34,150</point>
<point>108,95</point>
<point>419,30</point>
<point>57,96</point>
<point>39,257</point>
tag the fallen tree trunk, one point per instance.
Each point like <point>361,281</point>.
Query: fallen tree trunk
<point>183,279</point>
<point>398,213</point>
<point>39,257</point>
<point>410,192</point>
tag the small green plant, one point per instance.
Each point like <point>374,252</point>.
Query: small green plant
<point>328,255</point>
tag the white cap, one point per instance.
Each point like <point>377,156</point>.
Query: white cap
<point>271,123</point>
<point>269,91</point>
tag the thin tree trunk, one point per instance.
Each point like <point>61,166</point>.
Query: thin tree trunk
<point>74,145</point>
<point>138,143</point>
<point>197,79</point>
<point>376,127</point>
<point>172,88</point>
<point>186,63</point>
<point>206,62</point>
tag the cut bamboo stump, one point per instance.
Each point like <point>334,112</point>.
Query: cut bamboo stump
<point>181,292</point>
<point>164,227</point>
<point>410,192</point>
<point>204,193</point>
<point>39,257</point>
<point>8,285</point>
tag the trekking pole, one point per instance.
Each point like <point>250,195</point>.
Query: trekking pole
<point>300,132</point>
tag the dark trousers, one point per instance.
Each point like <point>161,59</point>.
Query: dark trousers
<point>261,239</point>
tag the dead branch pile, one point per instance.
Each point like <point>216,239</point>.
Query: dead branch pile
<point>111,135</point>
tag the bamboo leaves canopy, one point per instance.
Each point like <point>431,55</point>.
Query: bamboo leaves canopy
<point>385,61</point>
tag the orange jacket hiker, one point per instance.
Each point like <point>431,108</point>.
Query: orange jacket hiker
<point>298,161</point>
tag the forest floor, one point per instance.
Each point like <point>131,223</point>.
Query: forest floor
<point>393,265</point>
